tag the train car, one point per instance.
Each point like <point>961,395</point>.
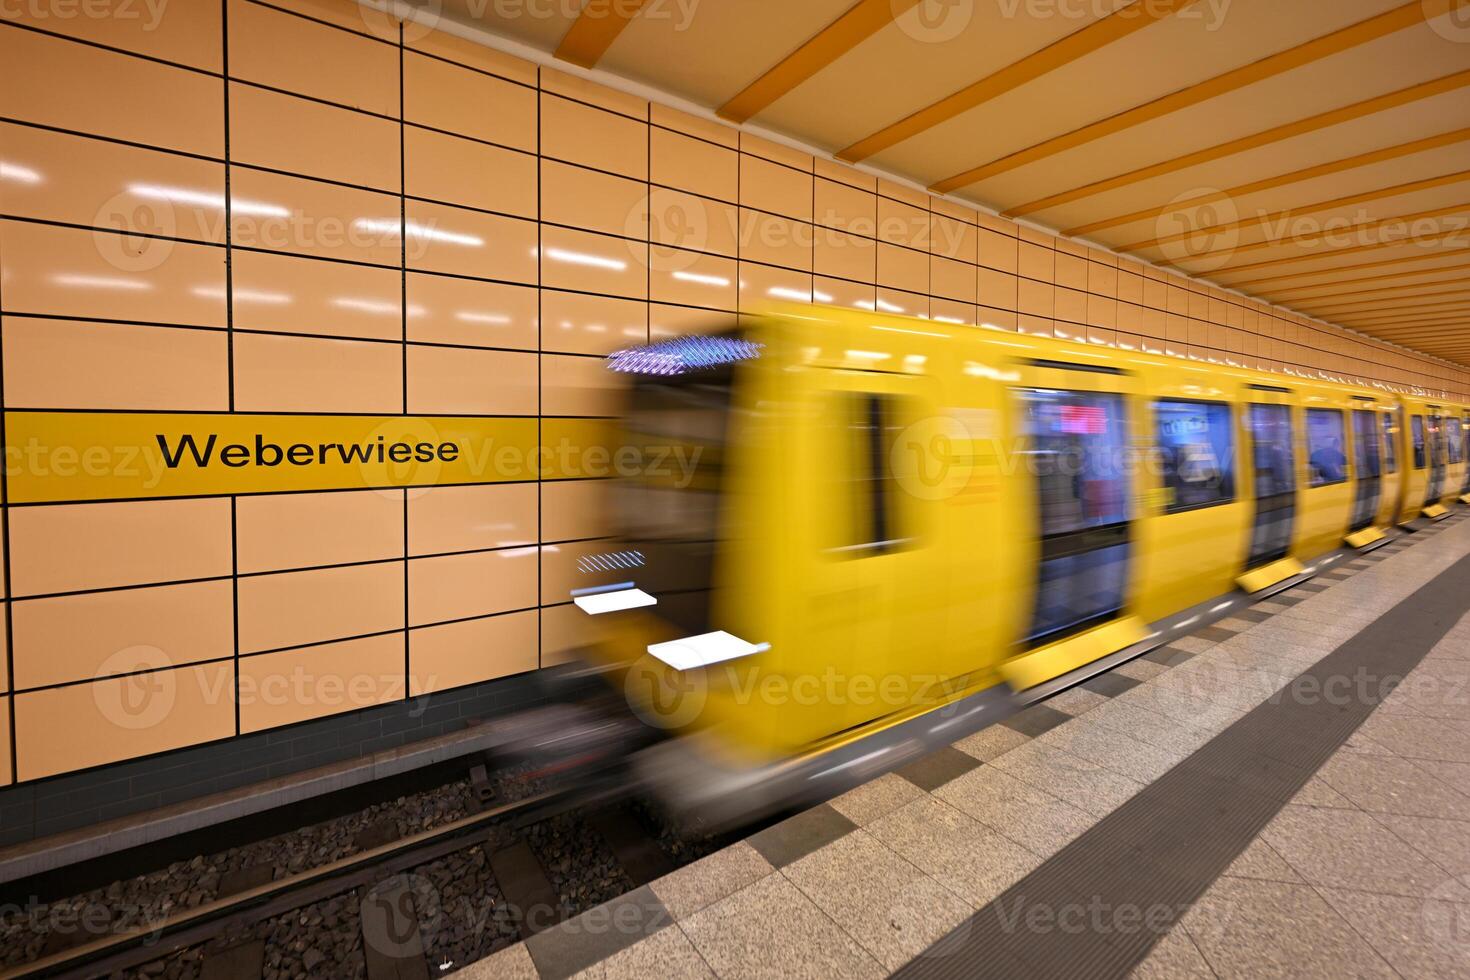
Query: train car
<point>1432,444</point>
<point>1465,451</point>
<point>1457,464</point>
<point>891,525</point>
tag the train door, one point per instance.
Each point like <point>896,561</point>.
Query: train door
<point>1393,478</point>
<point>858,618</point>
<point>1465,451</point>
<point>1074,426</point>
<point>1433,438</point>
<point>1369,466</point>
<point>1454,455</point>
<point>1273,452</point>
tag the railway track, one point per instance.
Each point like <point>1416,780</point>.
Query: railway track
<point>385,893</point>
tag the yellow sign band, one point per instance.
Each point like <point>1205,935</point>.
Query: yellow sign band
<point>73,456</point>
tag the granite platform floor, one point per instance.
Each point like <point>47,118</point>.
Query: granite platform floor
<point>1361,869</point>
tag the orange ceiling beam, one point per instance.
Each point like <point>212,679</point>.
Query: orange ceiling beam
<point>1122,23</point>
<point>1400,319</point>
<point>1294,293</point>
<point>1355,269</point>
<point>861,22</point>
<point>1271,183</point>
<point>595,29</point>
<point>1391,22</point>
<point>1377,224</point>
<point>1428,183</point>
<point>1426,302</point>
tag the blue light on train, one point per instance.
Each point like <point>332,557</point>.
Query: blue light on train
<point>669,357</point>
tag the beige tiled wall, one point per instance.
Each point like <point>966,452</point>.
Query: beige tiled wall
<point>565,220</point>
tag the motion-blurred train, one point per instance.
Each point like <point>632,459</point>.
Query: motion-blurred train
<point>896,530</point>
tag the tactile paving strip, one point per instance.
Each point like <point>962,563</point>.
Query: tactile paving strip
<point>1154,855</point>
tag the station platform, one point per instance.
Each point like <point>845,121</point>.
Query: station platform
<point>1286,792</point>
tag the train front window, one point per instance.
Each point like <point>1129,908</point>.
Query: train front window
<point>870,487</point>
<point>668,510</point>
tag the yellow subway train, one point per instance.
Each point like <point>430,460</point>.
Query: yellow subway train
<point>896,530</point>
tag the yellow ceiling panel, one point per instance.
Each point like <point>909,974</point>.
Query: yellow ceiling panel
<point>909,65</point>
<point>707,52</point>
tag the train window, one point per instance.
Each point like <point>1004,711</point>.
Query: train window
<point>1078,447</point>
<point>1416,429</point>
<point>1368,456</point>
<point>1391,449</point>
<point>1197,450</point>
<point>1274,456</point>
<point>1325,456</point>
<point>873,427</point>
<point>1456,439</point>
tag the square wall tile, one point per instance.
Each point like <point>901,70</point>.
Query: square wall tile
<point>98,634</point>
<point>296,685</point>
<point>275,532</point>
<point>122,718</point>
<point>72,547</point>
<point>287,609</point>
<point>456,654</point>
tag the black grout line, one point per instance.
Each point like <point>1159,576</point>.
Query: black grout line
<point>540,394</point>
<point>230,359</point>
<point>403,318</point>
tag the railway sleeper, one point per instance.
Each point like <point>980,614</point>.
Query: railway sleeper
<point>392,945</point>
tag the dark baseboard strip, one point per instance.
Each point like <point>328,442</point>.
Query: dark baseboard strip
<point>1162,849</point>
